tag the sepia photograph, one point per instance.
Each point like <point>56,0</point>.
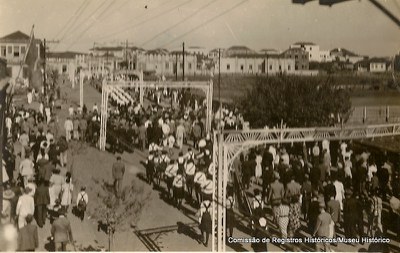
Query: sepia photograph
<point>200,125</point>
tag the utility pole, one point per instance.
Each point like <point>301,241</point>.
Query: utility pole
<point>126,60</point>
<point>176,66</point>
<point>219,88</point>
<point>183,66</point>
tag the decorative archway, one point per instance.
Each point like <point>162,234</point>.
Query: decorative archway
<point>229,144</point>
<point>108,85</point>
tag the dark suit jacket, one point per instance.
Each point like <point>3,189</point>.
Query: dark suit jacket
<point>351,209</point>
<point>61,230</point>
<point>42,196</point>
<point>333,207</point>
<point>118,170</point>
<point>28,238</point>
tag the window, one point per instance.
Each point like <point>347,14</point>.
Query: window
<point>296,67</point>
<point>296,56</point>
<point>270,67</point>
<point>310,55</point>
<point>16,51</point>
<point>22,50</point>
<point>310,48</point>
<point>251,67</point>
<point>3,51</point>
<point>288,67</point>
<point>189,66</point>
<point>228,66</point>
<point>241,67</point>
<point>9,50</point>
<point>167,65</point>
<point>280,67</point>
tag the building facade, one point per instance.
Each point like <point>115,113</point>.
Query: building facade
<point>300,57</point>
<point>256,64</point>
<point>13,49</point>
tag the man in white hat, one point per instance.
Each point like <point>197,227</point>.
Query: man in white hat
<point>25,206</point>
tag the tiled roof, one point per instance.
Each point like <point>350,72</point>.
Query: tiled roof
<point>18,35</point>
<point>304,43</point>
<point>67,54</point>
<point>343,51</point>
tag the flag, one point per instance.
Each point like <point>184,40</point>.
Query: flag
<point>32,61</point>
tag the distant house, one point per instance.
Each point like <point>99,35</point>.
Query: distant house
<point>238,50</point>
<point>300,57</point>
<point>311,48</point>
<point>256,64</point>
<point>66,62</point>
<point>344,55</point>
<point>13,48</point>
<point>373,65</point>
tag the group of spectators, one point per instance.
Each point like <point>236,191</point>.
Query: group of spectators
<point>330,195</point>
<point>37,183</point>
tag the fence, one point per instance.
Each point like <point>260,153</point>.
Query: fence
<point>374,114</point>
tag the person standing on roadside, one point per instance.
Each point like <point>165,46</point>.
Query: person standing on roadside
<point>61,232</point>
<point>118,171</point>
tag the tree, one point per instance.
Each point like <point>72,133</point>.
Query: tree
<point>298,102</point>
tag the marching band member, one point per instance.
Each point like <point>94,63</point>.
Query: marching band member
<point>170,173</point>
<point>190,169</point>
<point>179,191</point>
<point>199,179</point>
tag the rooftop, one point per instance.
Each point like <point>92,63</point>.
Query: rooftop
<point>18,35</point>
<point>304,43</point>
<point>66,54</point>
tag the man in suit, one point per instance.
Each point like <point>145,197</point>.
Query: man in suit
<point>42,199</point>
<point>28,236</point>
<point>350,213</point>
<point>322,228</point>
<point>333,208</point>
<point>118,170</point>
<point>61,232</point>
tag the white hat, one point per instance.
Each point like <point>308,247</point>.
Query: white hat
<point>202,143</point>
<point>263,222</point>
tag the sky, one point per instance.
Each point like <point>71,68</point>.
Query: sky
<point>356,25</point>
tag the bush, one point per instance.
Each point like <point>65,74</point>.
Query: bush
<point>298,102</point>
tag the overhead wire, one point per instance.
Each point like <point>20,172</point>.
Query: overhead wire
<point>144,21</point>
<point>80,9</point>
<point>91,25</point>
<point>87,17</point>
<point>74,25</point>
<point>178,23</point>
<point>204,23</point>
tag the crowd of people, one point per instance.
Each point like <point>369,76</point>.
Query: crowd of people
<point>36,180</point>
<point>333,187</point>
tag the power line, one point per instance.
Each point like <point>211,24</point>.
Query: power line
<point>80,8</point>
<point>71,28</point>
<point>204,23</point>
<point>144,21</point>
<point>94,21</point>
<point>180,22</point>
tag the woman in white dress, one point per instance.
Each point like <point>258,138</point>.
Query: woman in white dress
<point>66,194</point>
<point>56,181</point>
<point>258,170</point>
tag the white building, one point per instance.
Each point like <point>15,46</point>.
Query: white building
<point>311,48</point>
<point>256,64</point>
